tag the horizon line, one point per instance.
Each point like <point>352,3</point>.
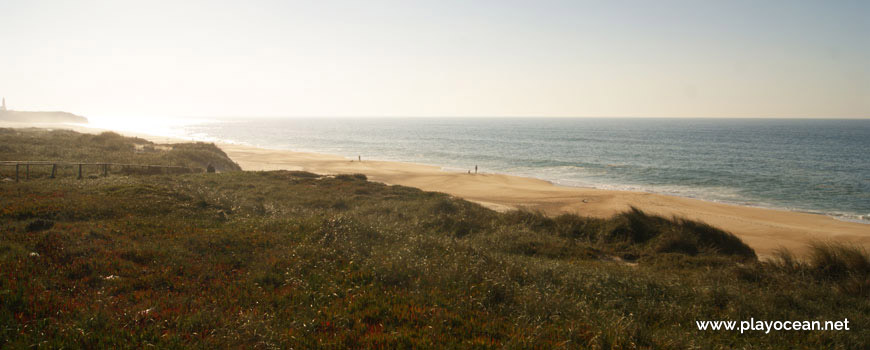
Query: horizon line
<point>478,116</point>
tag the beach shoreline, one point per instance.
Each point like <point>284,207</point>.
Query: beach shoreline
<point>456,170</point>
<point>765,230</point>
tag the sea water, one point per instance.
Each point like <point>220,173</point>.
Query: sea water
<point>818,166</point>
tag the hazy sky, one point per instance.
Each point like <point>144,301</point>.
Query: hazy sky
<point>437,58</point>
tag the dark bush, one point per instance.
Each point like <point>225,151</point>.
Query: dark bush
<point>351,177</point>
<point>39,225</point>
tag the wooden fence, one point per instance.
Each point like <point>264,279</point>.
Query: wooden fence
<point>104,168</point>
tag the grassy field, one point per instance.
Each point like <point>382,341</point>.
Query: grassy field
<point>296,260</point>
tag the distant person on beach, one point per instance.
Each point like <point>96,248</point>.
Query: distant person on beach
<point>359,157</point>
<point>475,168</point>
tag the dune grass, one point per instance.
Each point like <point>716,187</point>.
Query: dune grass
<point>108,147</point>
<point>296,260</point>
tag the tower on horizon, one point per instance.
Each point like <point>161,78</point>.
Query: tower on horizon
<point>3,107</point>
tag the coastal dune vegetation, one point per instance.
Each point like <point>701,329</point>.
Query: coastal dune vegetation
<point>287,259</point>
<point>34,144</point>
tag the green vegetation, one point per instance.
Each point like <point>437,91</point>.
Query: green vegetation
<point>296,260</point>
<point>108,147</point>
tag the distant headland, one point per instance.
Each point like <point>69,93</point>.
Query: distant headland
<point>38,117</point>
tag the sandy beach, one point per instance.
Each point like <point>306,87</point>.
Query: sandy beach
<point>765,230</point>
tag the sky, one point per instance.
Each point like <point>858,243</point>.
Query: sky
<point>120,58</point>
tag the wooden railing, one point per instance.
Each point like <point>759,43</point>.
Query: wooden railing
<point>105,167</point>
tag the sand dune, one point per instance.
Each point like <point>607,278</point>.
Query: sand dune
<point>764,229</point>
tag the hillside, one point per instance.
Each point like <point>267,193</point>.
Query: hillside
<point>296,260</point>
<point>64,145</point>
<point>41,117</point>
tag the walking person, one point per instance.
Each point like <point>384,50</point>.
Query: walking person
<point>475,168</point>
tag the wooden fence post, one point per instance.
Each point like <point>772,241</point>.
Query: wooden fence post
<point>27,171</point>
<point>16,172</point>
<point>105,169</point>
<point>53,170</point>
<point>80,171</point>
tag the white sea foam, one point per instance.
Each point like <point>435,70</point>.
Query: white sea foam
<point>651,161</point>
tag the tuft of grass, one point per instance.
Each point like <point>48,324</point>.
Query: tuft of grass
<point>786,260</point>
<point>838,260</point>
<point>843,267</point>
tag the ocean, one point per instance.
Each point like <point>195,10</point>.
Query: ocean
<point>816,166</point>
